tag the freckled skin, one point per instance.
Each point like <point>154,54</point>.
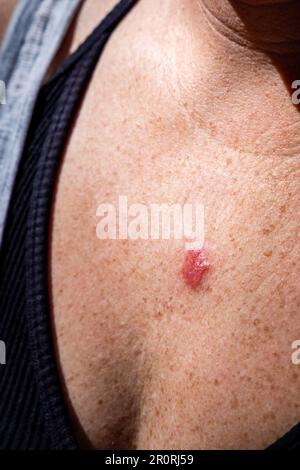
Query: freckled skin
<point>146,363</point>
<point>194,267</point>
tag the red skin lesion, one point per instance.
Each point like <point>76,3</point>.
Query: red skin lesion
<point>194,267</point>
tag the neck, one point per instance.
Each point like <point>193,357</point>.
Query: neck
<point>248,55</point>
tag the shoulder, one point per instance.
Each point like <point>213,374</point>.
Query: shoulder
<point>88,17</point>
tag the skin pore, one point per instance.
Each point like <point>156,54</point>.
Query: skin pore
<point>191,104</point>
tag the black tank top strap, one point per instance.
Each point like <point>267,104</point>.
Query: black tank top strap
<point>96,41</point>
<point>32,407</point>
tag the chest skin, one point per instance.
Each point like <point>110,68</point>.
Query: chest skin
<point>148,362</point>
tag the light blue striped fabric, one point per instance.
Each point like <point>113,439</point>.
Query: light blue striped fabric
<point>30,44</point>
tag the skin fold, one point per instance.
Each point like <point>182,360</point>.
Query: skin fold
<point>191,104</point>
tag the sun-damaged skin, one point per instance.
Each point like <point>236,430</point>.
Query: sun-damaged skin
<point>184,106</point>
